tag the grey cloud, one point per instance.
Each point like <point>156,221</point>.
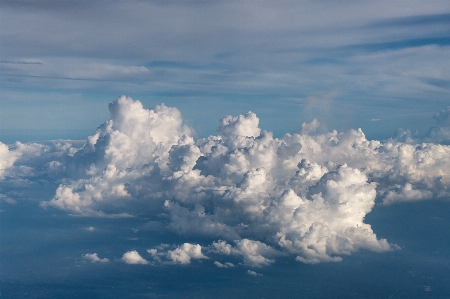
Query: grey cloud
<point>443,118</point>
<point>439,134</point>
<point>204,29</point>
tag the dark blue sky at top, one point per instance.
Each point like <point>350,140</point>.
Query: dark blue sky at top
<point>375,65</point>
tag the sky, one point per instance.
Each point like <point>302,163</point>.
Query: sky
<point>242,149</point>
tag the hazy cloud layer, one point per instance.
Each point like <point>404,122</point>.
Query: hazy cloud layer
<point>253,196</point>
<point>307,57</point>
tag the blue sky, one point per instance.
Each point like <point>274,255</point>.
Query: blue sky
<point>229,149</point>
<point>343,63</point>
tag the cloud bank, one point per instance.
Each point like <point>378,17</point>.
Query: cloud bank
<point>253,196</point>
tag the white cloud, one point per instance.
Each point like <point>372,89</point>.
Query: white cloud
<point>407,193</point>
<point>253,273</point>
<point>246,126</point>
<point>310,127</point>
<point>186,252</point>
<point>8,157</point>
<point>93,257</point>
<point>135,143</point>
<point>253,196</point>
<point>182,254</point>
<point>225,265</point>
<point>254,253</point>
<point>133,257</point>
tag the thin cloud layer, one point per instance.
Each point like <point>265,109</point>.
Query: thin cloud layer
<point>255,197</point>
<point>340,56</point>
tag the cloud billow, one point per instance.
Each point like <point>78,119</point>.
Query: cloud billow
<point>254,196</point>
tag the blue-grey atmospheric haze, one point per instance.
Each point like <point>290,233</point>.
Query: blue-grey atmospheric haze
<point>224,149</point>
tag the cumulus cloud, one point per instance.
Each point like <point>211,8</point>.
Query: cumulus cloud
<point>20,153</point>
<point>133,145</point>
<point>253,273</point>
<point>185,253</point>
<point>254,253</point>
<point>182,254</point>
<point>225,265</point>
<point>407,193</point>
<point>133,257</point>
<point>93,257</point>
<point>8,158</point>
<point>253,196</point>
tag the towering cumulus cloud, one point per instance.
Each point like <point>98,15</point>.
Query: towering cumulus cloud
<point>254,196</point>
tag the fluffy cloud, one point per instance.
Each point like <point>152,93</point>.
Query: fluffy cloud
<point>180,255</point>
<point>255,197</point>
<point>132,146</point>
<point>407,193</point>
<point>21,154</point>
<point>253,273</point>
<point>133,257</point>
<point>185,253</point>
<point>254,253</point>
<point>225,265</point>
<point>8,158</point>
<point>93,257</point>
